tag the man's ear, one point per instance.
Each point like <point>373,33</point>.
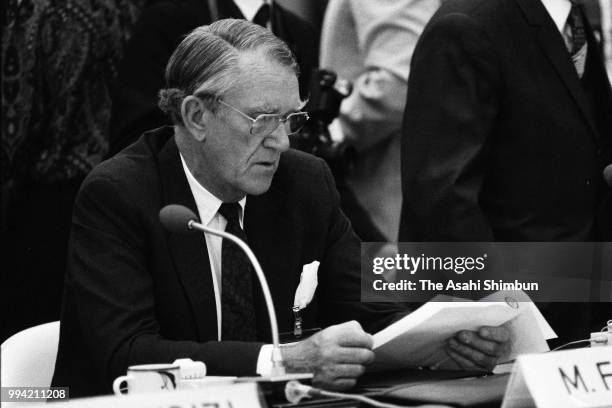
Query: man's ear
<point>195,116</point>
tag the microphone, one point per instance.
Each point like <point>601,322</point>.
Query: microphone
<point>176,218</point>
<point>607,174</point>
<point>179,219</point>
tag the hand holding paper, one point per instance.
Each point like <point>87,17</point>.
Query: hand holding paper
<point>481,349</point>
<point>427,336</point>
<point>336,355</point>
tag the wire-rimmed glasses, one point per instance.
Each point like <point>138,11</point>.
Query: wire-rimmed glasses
<point>266,123</point>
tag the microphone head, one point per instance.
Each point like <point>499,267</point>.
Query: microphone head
<point>175,218</point>
<point>607,173</point>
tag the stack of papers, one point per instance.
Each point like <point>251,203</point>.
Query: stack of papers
<point>418,339</point>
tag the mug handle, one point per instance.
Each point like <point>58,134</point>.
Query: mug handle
<point>117,384</point>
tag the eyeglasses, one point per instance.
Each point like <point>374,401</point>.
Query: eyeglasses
<point>266,123</point>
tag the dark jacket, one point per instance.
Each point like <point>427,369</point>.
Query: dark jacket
<point>502,140</point>
<point>136,293</point>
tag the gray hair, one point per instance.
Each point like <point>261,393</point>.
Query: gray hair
<point>206,61</point>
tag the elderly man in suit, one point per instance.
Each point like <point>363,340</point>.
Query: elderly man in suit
<point>507,128</point>
<point>136,293</point>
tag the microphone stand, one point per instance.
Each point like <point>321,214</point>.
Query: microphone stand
<point>278,367</point>
<point>179,219</point>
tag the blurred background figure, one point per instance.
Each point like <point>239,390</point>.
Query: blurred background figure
<point>59,60</point>
<point>507,130</point>
<point>370,43</point>
<point>599,14</point>
<point>311,11</point>
<point>164,24</point>
<point>606,33</point>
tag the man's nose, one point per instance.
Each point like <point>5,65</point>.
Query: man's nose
<point>278,140</point>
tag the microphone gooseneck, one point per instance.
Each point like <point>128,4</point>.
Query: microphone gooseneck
<point>179,219</point>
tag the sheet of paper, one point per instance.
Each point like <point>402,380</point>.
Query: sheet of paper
<point>418,339</point>
<point>520,296</point>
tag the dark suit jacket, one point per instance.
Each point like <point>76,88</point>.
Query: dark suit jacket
<point>161,28</point>
<point>502,141</point>
<point>135,293</point>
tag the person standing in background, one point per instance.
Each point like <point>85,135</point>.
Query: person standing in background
<point>606,33</point>
<point>370,43</point>
<point>507,129</point>
<point>59,59</point>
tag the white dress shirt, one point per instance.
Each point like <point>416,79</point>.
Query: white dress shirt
<point>249,8</point>
<point>208,211</point>
<point>559,11</point>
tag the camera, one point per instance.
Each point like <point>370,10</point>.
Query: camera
<point>326,94</point>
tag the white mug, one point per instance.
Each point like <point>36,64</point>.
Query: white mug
<point>148,378</point>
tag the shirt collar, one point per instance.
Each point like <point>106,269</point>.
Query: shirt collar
<point>559,11</point>
<point>249,8</point>
<point>208,204</point>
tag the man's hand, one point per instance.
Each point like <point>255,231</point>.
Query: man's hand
<point>336,355</point>
<point>479,350</point>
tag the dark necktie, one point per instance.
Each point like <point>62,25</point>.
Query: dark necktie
<point>576,38</point>
<point>263,15</point>
<point>237,310</point>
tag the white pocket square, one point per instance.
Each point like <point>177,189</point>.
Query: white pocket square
<point>308,285</point>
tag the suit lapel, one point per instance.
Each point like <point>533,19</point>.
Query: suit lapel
<point>271,233</point>
<point>188,251</point>
<point>272,236</point>
<point>550,41</point>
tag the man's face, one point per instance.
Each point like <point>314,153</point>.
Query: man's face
<point>235,162</point>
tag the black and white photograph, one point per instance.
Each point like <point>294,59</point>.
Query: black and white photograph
<point>306,203</point>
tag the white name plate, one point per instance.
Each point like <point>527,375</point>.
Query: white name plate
<point>573,378</point>
<point>243,395</point>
